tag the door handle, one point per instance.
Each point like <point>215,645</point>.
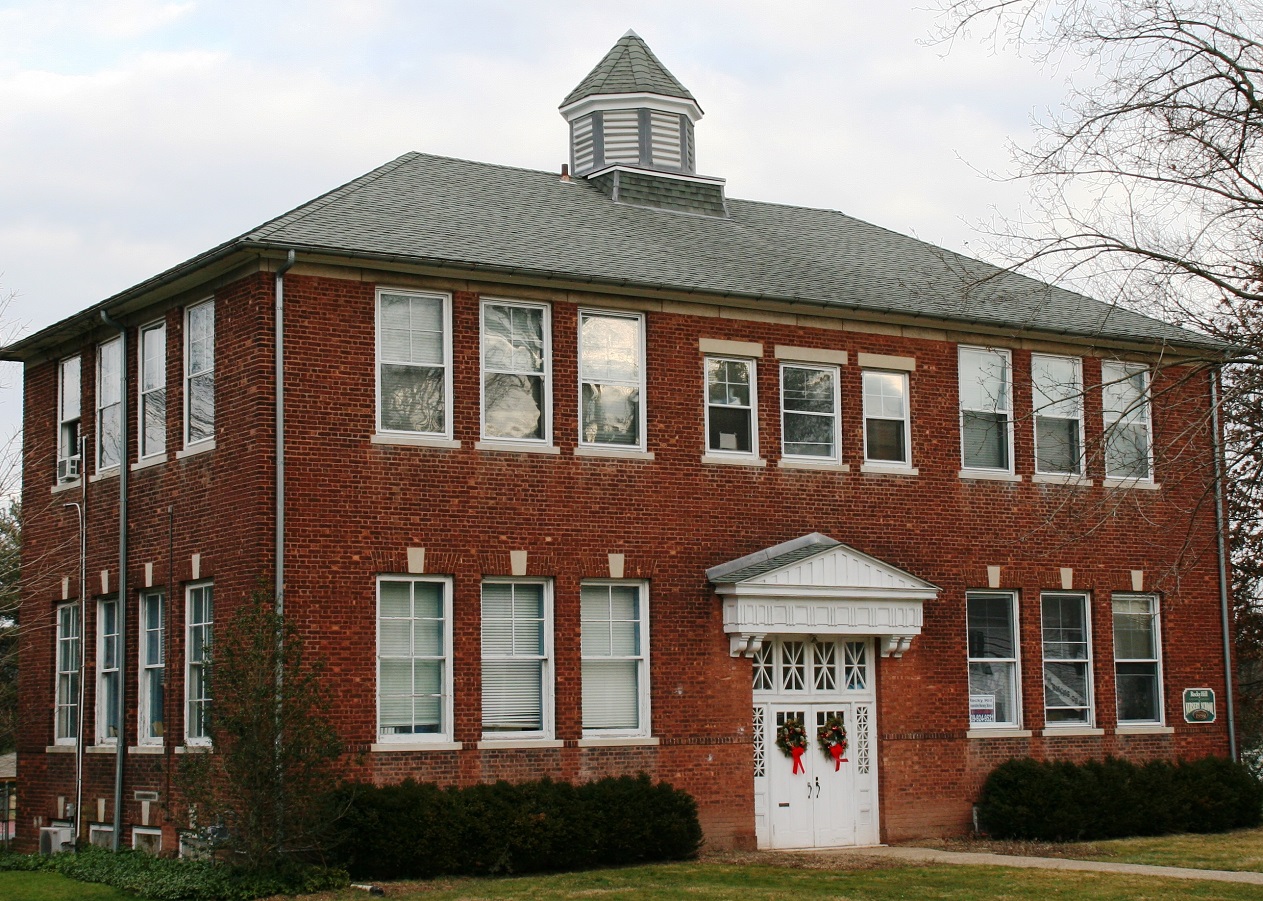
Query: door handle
<point>817,786</point>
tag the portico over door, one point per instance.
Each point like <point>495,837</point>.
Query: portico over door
<point>815,585</point>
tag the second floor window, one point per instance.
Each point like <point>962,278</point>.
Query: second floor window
<point>516,392</point>
<point>985,409</point>
<point>809,412</point>
<point>730,405</point>
<point>69,395</point>
<point>107,671</point>
<point>1125,398</point>
<point>414,363</point>
<point>1057,385</point>
<point>611,376</point>
<point>153,389</point>
<point>886,417</point>
<point>109,405</point>
<point>199,373</point>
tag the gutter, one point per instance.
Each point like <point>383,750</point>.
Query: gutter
<point>1220,525</point>
<point>120,741</point>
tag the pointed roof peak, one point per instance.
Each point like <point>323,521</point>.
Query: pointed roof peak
<point>629,68</point>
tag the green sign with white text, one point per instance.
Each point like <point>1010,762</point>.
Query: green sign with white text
<point>1199,705</point>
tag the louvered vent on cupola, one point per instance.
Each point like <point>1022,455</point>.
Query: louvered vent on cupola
<point>631,113</point>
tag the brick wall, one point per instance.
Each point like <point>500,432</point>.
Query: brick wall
<point>353,507</point>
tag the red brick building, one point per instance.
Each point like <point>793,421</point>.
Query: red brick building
<point>608,473</point>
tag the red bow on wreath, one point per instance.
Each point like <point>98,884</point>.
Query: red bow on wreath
<point>798,760</point>
<point>837,752</point>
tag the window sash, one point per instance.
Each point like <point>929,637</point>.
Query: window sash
<point>516,657</point>
<point>516,372</point>
<point>991,658</point>
<point>611,380</point>
<point>807,433</point>
<point>1137,659</point>
<point>731,406</point>
<point>109,425</point>
<point>414,639</point>
<point>199,372</point>
<point>614,658</point>
<point>151,704</point>
<point>199,623</point>
<point>1128,429</point>
<point>108,650</point>
<point>986,411</point>
<point>152,413</point>
<point>68,673</point>
<point>414,363</point>
<point>1067,655</point>
<point>886,418</point>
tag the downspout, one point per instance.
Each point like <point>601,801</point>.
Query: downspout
<point>280,436</point>
<point>1223,560</point>
<point>120,743</point>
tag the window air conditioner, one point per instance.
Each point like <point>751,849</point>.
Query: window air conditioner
<point>55,839</point>
<point>68,469</point>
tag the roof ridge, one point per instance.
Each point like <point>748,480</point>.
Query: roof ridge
<point>302,211</point>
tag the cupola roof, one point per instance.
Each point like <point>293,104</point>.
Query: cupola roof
<point>629,68</point>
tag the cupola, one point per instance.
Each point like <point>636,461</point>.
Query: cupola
<point>631,133</point>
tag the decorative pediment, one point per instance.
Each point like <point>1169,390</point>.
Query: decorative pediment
<point>816,585</point>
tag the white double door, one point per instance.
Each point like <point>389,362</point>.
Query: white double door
<point>827,803</point>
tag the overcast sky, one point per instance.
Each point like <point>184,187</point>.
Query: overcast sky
<point>137,133</point>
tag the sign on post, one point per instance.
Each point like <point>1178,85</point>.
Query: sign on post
<point>1199,705</point>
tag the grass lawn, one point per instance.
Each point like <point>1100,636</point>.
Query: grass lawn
<point>55,887</point>
<point>1240,850</point>
<point>743,882</point>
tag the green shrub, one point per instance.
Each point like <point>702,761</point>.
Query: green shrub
<point>169,879</point>
<point>1112,798</point>
<point>413,830</point>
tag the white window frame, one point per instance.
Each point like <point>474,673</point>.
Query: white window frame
<point>753,452</point>
<point>144,667</point>
<point>68,676</point>
<point>906,420</point>
<point>995,410</point>
<point>547,677</point>
<point>1090,721</point>
<point>65,453</point>
<point>546,373</point>
<point>101,407</point>
<point>1142,415</point>
<point>446,300</point>
<point>836,415</point>
<point>641,659</point>
<point>143,394</point>
<point>190,663</point>
<point>1015,661</point>
<point>638,384</point>
<point>1036,409</point>
<point>189,375</point>
<point>1156,619</point>
<point>103,671</point>
<point>147,830</point>
<point>447,710</point>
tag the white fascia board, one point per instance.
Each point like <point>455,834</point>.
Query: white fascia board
<point>657,173</point>
<point>595,102</point>
<point>745,590</point>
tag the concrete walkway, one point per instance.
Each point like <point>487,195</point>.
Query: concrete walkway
<point>969,858</point>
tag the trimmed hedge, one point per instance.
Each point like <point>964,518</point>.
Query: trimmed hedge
<point>1112,798</point>
<point>418,831</point>
<point>171,879</point>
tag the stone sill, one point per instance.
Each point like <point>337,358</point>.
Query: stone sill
<point>518,744</point>
<point>145,749</point>
<point>111,473</point>
<point>879,469</point>
<point>59,749</point>
<point>192,749</point>
<point>1070,732</point>
<point>155,460</point>
<point>516,447</point>
<point>1144,729</point>
<point>988,475</point>
<point>66,486</point>
<point>100,749</point>
<point>192,450</point>
<point>1070,479</point>
<point>734,460</point>
<point>388,746</point>
<point>439,441</point>
<point>1139,484</point>
<point>999,733</point>
<point>612,742</point>
<point>809,465</point>
<point>613,453</point>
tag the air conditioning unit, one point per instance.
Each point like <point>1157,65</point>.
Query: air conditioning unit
<point>68,469</point>
<point>55,839</point>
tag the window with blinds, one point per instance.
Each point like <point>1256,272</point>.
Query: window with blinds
<point>413,659</point>
<point>516,676</point>
<point>615,659</point>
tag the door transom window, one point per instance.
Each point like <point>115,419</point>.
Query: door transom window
<point>809,666</point>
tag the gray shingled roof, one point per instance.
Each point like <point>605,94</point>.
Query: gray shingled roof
<point>456,213</point>
<point>752,566</point>
<point>629,68</point>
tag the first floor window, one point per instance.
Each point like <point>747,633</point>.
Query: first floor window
<point>516,677</point>
<point>107,671</point>
<point>67,715</point>
<point>1125,399</point>
<point>730,406</point>
<point>809,412</point>
<point>515,372</point>
<point>992,659</point>
<point>414,359</point>
<point>413,659</point>
<point>152,703</point>
<point>886,417</point>
<point>1137,669</point>
<point>199,618</point>
<point>615,659</point>
<point>1067,660</point>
